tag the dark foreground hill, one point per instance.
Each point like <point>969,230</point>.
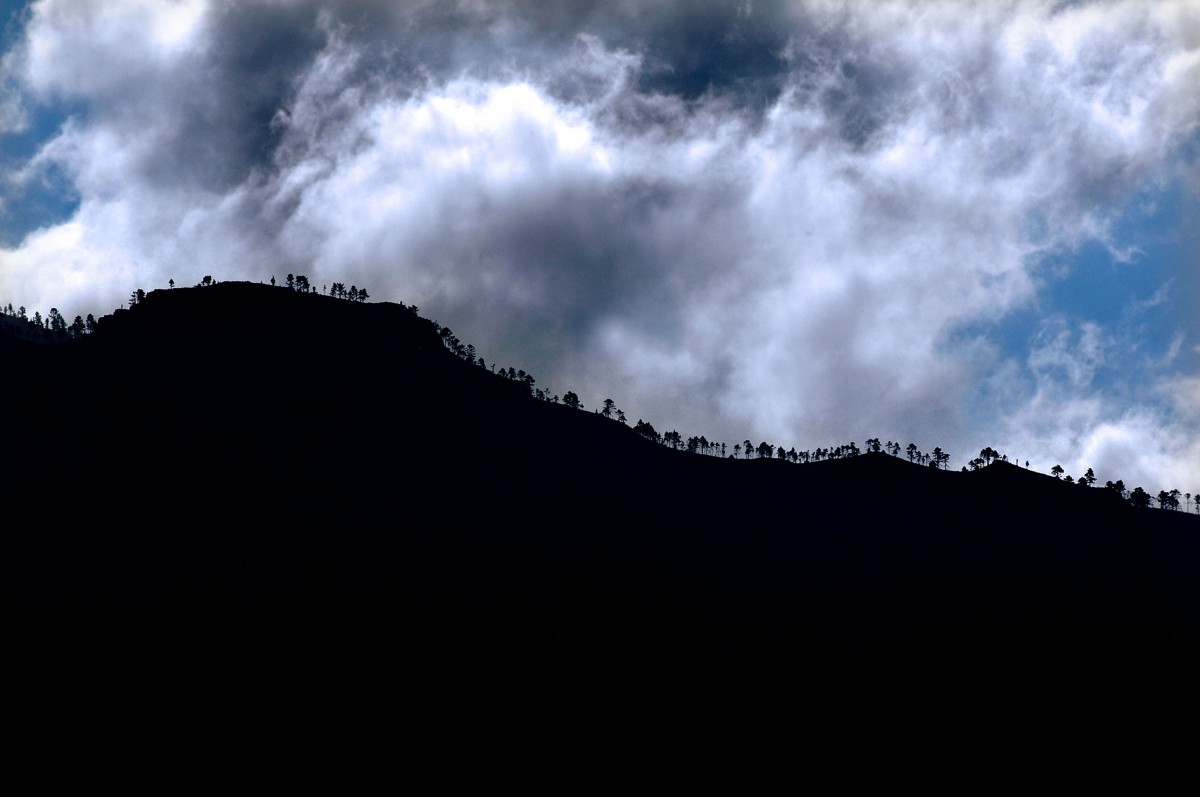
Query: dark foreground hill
<point>242,479</point>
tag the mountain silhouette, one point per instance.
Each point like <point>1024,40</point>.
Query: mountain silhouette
<point>243,472</point>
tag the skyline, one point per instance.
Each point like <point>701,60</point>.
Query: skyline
<point>805,223</point>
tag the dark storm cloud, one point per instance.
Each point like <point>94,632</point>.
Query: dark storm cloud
<point>761,219</point>
<point>690,49</point>
<point>249,71</point>
<point>217,105</point>
<point>630,250</point>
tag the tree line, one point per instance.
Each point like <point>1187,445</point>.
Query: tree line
<point>338,290</point>
<point>1166,499</point>
<point>53,328</point>
<point>702,446</point>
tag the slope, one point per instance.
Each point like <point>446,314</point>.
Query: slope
<point>244,468</point>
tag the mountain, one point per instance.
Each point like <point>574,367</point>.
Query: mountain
<point>248,473</point>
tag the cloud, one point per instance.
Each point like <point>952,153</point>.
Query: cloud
<point>13,115</point>
<point>766,220</point>
<point>1073,418</point>
<point>1065,359</point>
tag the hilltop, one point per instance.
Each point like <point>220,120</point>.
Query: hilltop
<point>241,467</point>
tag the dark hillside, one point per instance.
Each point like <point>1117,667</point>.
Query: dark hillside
<point>290,476</point>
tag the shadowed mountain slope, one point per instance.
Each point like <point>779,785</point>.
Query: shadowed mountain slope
<point>296,477</point>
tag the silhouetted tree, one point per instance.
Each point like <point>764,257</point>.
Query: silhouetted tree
<point>571,400</point>
<point>912,451</point>
<point>57,324</point>
<point>1088,479</point>
<point>621,417</point>
<point>747,448</point>
<point>1139,498</point>
<point>291,281</point>
<point>609,405</point>
<point>938,456</point>
<point>1057,471</point>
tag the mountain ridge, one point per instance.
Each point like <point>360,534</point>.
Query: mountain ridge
<point>223,460</point>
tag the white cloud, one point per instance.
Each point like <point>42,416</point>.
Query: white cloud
<point>99,50</point>
<point>13,115</point>
<point>1061,358</point>
<point>1071,421</point>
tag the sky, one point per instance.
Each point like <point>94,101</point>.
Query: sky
<point>950,223</point>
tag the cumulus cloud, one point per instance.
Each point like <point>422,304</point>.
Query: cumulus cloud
<point>765,220</point>
<point>1074,418</point>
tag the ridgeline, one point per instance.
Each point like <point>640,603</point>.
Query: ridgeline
<point>252,472</point>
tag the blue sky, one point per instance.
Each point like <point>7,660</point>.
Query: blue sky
<point>805,222</point>
<point>49,199</point>
<point>1140,287</point>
